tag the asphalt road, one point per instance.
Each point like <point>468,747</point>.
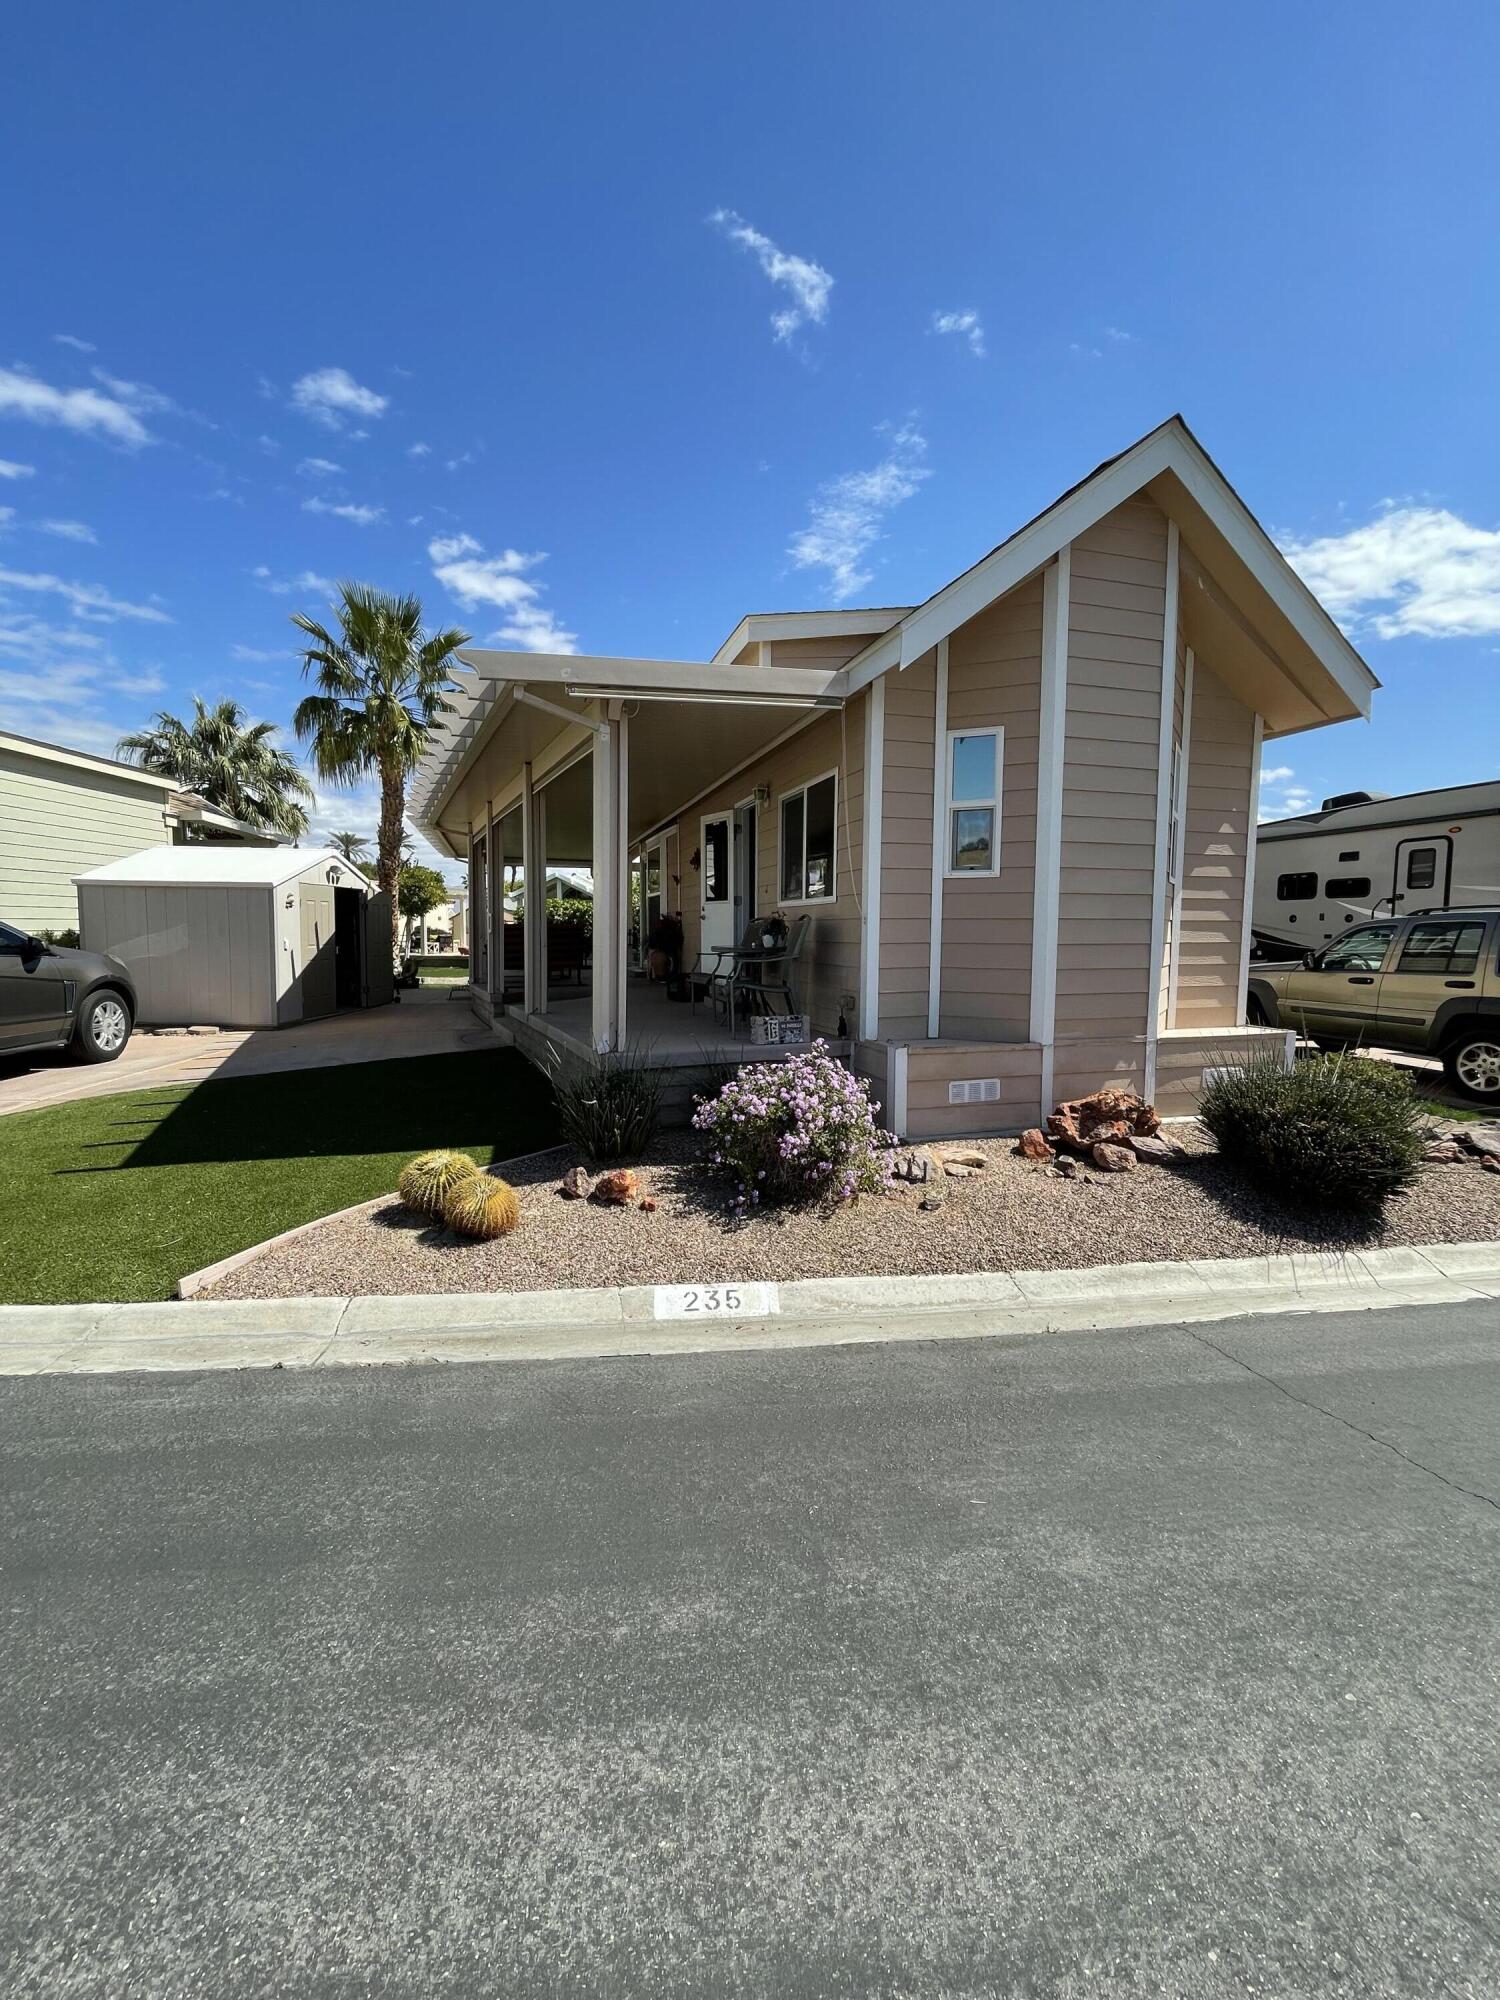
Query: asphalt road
<point>1159,1663</point>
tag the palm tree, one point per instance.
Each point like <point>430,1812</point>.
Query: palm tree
<point>233,763</point>
<point>381,685</point>
<point>353,846</point>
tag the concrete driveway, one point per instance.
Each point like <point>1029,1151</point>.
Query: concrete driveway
<point>1159,1664</point>
<point>425,1022</point>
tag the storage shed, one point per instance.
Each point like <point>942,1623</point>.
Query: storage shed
<point>240,937</point>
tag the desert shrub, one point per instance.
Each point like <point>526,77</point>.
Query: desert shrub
<point>610,1113</point>
<point>799,1130</point>
<point>482,1205</point>
<point>67,940</point>
<point>427,1181</point>
<point>1336,1131</point>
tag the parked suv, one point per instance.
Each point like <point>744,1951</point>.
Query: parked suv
<point>1428,984</point>
<point>53,998</point>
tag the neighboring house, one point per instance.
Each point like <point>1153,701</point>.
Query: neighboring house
<point>62,811</point>
<point>570,885</point>
<point>1020,815</point>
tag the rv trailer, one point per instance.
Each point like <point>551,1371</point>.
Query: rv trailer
<point>1366,855</point>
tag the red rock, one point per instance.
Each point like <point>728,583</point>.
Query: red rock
<point>1146,1147</point>
<point>1113,1159</point>
<point>1107,1117</point>
<point>617,1189</point>
<point>1033,1145</point>
<point>649,1204</point>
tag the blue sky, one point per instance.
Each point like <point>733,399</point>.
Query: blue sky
<point>599,327</point>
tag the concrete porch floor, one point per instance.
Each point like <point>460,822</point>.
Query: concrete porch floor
<point>425,1022</point>
<point>677,1035</point>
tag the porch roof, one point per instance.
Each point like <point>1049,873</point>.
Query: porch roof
<point>691,722</point>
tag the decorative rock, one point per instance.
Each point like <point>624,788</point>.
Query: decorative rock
<point>1481,1139</point>
<point>1145,1147</point>
<point>616,1190</point>
<point>1067,1167</point>
<point>1490,1163</point>
<point>934,1198</point>
<point>649,1204</point>
<point>1113,1159</point>
<point>1442,1151</point>
<point>957,1170</point>
<point>575,1183</point>
<point>1107,1117</point>
<point>964,1156</point>
<point>1032,1145</point>
<point>917,1166</point>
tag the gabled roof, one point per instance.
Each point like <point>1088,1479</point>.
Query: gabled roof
<point>849,621</point>
<point>214,864</point>
<point>1173,468</point>
<point>85,760</point>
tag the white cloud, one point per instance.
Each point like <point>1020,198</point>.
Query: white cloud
<point>847,512</point>
<point>418,450</point>
<point>148,682</point>
<point>137,396</point>
<point>85,600</point>
<point>346,510</point>
<point>1277,774</point>
<point>808,284</point>
<point>81,410</point>
<point>1412,572</point>
<point>7,515</point>
<point>331,396</point>
<point>318,468</point>
<point>967,323</point>
<point>56,681</point>
<point>461,566</point>
<point>256,655</point>
<point>1279,797</point>
<point>68,531</point>
<point>307,582</point>
<point>1118,335</point>
<point>12,468</point>
<point>72,340</point>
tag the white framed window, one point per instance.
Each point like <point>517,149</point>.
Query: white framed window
<point>974,764</point>
<point>809,819</point>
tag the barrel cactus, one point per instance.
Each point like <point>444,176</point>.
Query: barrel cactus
<point>482,1205</point>
<point>428,1180</point>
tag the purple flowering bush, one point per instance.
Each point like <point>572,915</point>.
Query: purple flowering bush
<point>799,1130</point>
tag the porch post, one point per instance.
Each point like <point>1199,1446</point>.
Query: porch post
<point>608,957</point>
<point>494,916</point>
<point>622,878</point>
<point>533,903</point>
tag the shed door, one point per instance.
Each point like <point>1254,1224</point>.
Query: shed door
<point>379,976</point>
<point>319,969</point>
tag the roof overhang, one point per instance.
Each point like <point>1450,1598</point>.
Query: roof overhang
<point>769,627</point>
<point>686,717</point>
<point>1256,620</point>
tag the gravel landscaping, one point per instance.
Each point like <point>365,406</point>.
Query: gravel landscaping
<point>1012,1216</point>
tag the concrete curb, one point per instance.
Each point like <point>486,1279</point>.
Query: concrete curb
<point>814,1312</point>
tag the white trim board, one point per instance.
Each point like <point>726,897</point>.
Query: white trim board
<point>870,859</point>
<point>939,841</point>
<point>1165,709</point>
<point>1179,813</point>
<point>1046,895</point>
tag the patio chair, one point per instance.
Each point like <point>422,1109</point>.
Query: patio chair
<point>703,974</point>
<point>746,978</point>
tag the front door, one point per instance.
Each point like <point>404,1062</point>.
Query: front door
<point>1338,995</point>
<point>319,978</point>
<point>1423,865</point>
<point>715,888</point>
<point>1438,962</point>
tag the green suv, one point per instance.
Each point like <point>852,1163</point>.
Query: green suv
<point>1428,984</point>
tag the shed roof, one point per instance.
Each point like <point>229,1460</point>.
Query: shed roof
<point>212,864</point>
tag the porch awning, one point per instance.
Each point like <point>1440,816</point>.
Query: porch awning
<point>691,724</point>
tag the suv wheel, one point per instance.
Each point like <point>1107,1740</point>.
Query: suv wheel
<point>1472,1066</point>
<point>103,1027</point>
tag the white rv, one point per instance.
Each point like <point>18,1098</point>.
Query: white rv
<point>1366,855</point>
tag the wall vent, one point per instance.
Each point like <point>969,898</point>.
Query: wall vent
<point>975,1090</point>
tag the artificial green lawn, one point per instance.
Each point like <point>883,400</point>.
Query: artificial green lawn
<point>119,1197</point>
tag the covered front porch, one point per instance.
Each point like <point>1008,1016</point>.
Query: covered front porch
<point>604,773</point>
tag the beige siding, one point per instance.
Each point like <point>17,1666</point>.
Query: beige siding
<point>1091,1063</point>
<point>829,970</point>
<point>930,1070</point>
<point>1183,1056</point>
<point>906,850</point>
<point>56,822</point>
<point>1115,625</point>
<point>1216,836</point>
<point>995,679</point>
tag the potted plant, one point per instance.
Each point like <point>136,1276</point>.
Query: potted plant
<point>772,934</point>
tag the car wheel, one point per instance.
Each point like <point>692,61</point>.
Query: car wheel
<point>1472,1066</point>
<point>1255,1014</point>
<point>103,1027</point>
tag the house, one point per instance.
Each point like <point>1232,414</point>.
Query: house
<point>1020,815</point>
<point>62,811</point>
